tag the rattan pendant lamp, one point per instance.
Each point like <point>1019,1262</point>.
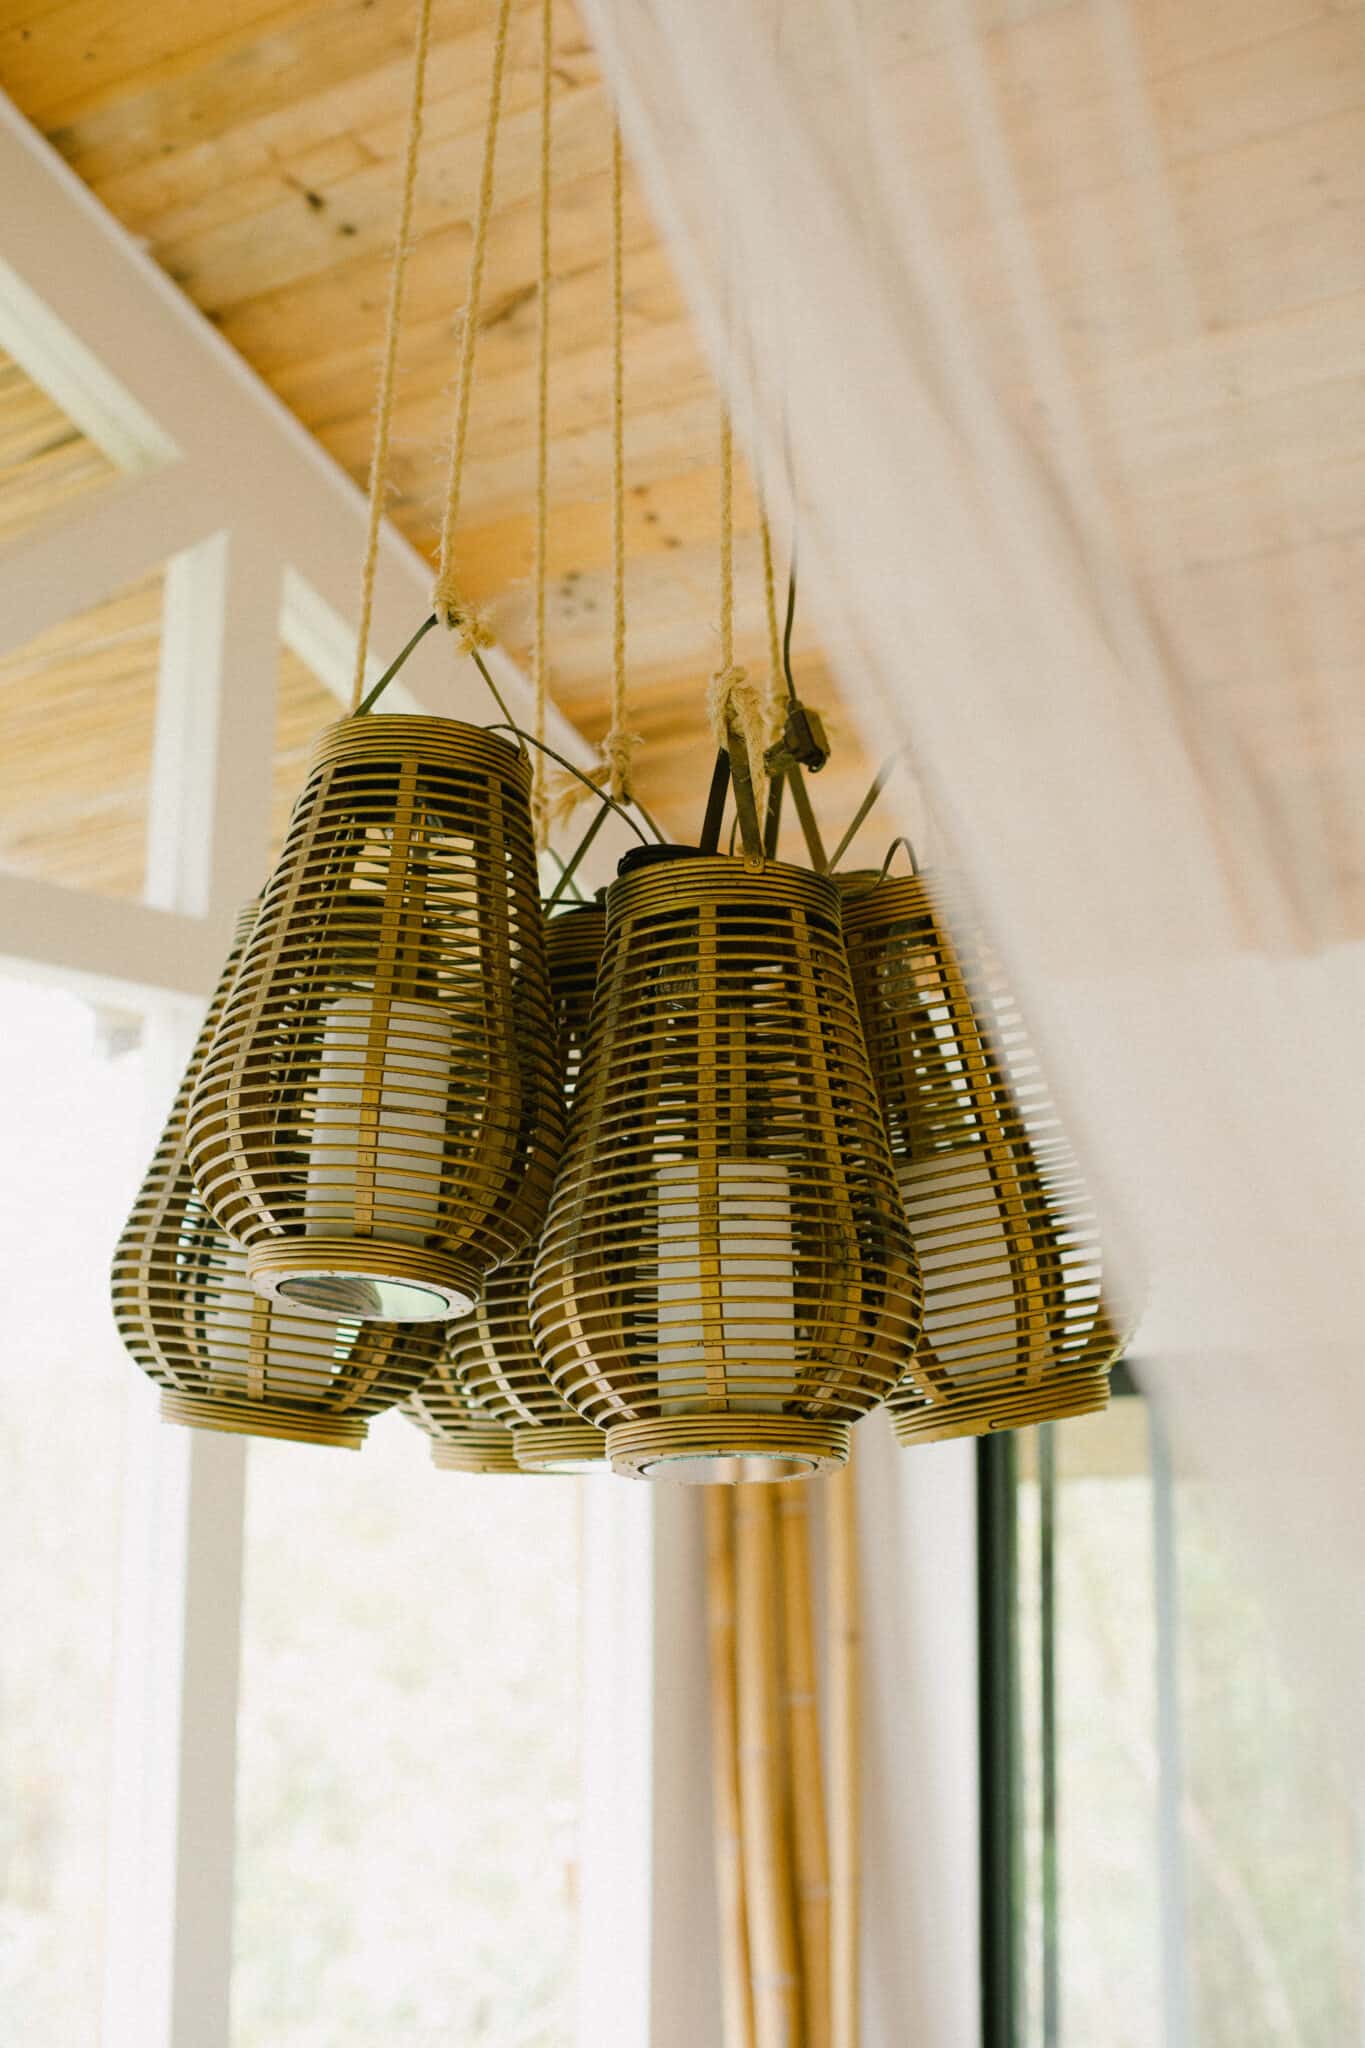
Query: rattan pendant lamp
<point>1016,1329</point>
<point>224,1358</point>
<point>492,1351</point>
<point>377,1119</point>
<point>725,1281</point>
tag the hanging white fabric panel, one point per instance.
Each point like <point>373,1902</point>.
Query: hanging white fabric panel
<point>1061,308</point>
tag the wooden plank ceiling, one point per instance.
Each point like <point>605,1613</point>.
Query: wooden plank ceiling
<point>253,149</point>
<point>252,145</point>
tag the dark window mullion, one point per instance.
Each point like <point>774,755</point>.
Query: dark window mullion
<point>1047,1583</point>
<point>1002,1885</point>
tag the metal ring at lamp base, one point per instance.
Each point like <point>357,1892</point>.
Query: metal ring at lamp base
<point>286,1269</point>
<point>711,1450</point>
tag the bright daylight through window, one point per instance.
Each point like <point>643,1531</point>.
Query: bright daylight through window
<point>1187,1858</point>
<point>72,1129</point>
<point>408,1770</point>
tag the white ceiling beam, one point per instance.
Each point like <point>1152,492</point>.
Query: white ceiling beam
<point>97,547</point>
<point>123,951</point>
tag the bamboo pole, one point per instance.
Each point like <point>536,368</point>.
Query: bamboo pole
<point>737,1990</point>
<point>804,1762</point>
<point>845,1699</point>
<point>766,1857</point>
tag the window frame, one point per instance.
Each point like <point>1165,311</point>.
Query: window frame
<point>1000,1736</point>
<point>261,536</point>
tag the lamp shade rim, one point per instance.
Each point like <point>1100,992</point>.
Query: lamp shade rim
<point>719,878</point>
<point>675,1446</point>
<point>300,1271</point>
<point>387,734</point>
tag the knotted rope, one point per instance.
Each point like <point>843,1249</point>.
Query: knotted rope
<point>733,699</point>
<point>777,688</point>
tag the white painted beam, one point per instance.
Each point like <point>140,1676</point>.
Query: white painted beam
<point>100,545</point>
<point>122,951</point>
<point>78,381</point>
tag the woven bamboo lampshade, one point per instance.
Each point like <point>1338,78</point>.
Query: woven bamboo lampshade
<point>1015,1326</point>
<point>726,1279</point>
<point>463,1437</point>
<point>495,1359</point>
<point>223,1357</point>
<point>377,1119</point>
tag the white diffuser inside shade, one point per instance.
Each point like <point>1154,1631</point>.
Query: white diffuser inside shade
<point>234,1330</point>
<point>953,1202</point>
<point>231,1318</point>
<point>749,1251</point>
<point>402,1187</point>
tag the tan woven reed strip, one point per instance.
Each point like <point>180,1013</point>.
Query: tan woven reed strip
<point>843,1626</point>
<point>388,363</point>
<point>804,1762</point>
<point>539,795</point>
<point>732,698</point>
<point>447,603</point>
<point>728,1842</point>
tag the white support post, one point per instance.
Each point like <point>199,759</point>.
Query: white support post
<point>684,1955</point>
<point>209,816</point>
<point>168,1921</point>
<point>648,1967</point>
<point>616,1788</point>
<point>921,1945</point>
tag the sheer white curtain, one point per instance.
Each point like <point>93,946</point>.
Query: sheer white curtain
<point>1060,308</point>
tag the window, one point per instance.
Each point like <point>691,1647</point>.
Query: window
<point>1168,1859</point>
<point>72,1131</point>
<point>408,1763</point>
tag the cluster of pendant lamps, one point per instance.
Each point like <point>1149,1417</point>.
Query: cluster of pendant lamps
<point>685,1180</point>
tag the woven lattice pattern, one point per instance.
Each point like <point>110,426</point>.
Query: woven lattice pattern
<point>1015,1327</point>
<point>378,1117</point>
<point>726,1272</point>
<point>224,1358</point>
<point>463,1438</point>
<point>495,1358</point>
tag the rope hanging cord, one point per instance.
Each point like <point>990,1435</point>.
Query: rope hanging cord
<point>539,796</point>
<point>388,366</point>
<point>446,600</point>
<point>619,745</point>
<point>734,703</point>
